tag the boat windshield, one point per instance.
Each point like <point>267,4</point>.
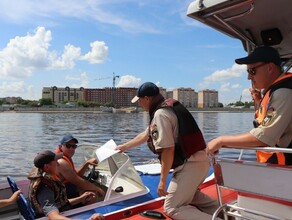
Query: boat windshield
<point>116,175</point>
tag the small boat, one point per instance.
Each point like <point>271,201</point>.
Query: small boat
<point>125,110</point>
<point>131,190</point>
<point>106,109</point>
<point>125,185</point>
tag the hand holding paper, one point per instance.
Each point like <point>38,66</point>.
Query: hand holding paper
<point>106,150</point>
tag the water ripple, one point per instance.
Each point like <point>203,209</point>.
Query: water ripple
<point>24,134</point>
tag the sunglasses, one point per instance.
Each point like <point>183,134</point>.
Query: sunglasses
<point>252,71</point>
<point>74,146</point>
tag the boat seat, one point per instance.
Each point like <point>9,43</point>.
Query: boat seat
<point>25,209</point>
<point>264,190</point>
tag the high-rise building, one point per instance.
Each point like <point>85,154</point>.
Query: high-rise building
<point>207,99</point>
<point>186,96</point>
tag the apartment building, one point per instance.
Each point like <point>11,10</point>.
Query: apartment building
<point>163,92</point>
<point>10,100</point>
<point>61,94</point>
<point>207,98</point>
<point>186,96</point>
<point>121,97</point>
<point>103,95</point>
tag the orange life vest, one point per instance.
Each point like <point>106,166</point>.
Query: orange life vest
<point>69,160</point>
<point>261,115</point>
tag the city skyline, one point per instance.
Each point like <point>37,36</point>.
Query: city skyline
<point>122,96</point>
<point>81,44</point>
<point>115,87</point>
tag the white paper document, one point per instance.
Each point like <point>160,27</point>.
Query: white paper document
<point>106,150</point>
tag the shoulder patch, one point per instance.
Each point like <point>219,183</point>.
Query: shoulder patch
<point>154,132</point>
<point>269,118</point>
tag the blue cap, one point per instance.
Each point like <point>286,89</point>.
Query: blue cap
<point>68,138</point>
<point>146,89</point>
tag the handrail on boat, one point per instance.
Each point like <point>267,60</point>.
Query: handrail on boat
<point>237,214</point>
<point>258,183</point>
<point>271,149</point>
<point>268,149</point>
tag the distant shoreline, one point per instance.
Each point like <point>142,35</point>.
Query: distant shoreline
<point>97,110</point>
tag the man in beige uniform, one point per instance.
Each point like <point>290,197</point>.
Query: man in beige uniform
<point>273,124</point>
<point>183,200</point>
<point>274,116</point>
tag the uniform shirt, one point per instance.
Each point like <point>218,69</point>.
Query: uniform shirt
<point>277,125</point>
<point>164,132</point>
<point>164,129</point>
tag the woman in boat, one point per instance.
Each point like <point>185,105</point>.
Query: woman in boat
<point>174,136</point>
<point>71,177</point>
<point>11,200</point>
<point>47,194</point>
<point>273,124</point>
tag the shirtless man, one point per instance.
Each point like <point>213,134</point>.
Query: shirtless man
<point>69,175</point>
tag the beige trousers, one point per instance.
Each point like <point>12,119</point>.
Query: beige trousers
<point>185,201</point>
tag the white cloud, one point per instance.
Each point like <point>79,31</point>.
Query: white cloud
<point>228,86</point>
<point>98,53</point>
<point>246,96</point>
<point>67,59</point>
<point>157,83</point>
<point>82,78</point>
<point>105,12</point>
<point>129,81</point>
<point>224,75</point>
<point>236,86</point>
<point>72,78</point>
<point>8,88</point>
<point>31,93</point>
<point>24,55</point>
<point>225,87</point>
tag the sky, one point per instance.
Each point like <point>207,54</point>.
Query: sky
<point>84,43</point>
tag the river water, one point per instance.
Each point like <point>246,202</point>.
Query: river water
<point>24,134</point>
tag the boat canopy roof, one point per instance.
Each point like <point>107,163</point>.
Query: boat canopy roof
<point>254,22</point>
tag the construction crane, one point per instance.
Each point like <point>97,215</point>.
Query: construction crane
<point>113,88</point>
<point>114,79</point>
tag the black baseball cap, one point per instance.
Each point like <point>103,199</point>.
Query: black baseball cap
<point>45,157</point>
<point>264,54</point>
<point>146,89</point>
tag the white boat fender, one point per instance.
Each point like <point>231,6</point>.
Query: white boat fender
<point>152,214</point>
